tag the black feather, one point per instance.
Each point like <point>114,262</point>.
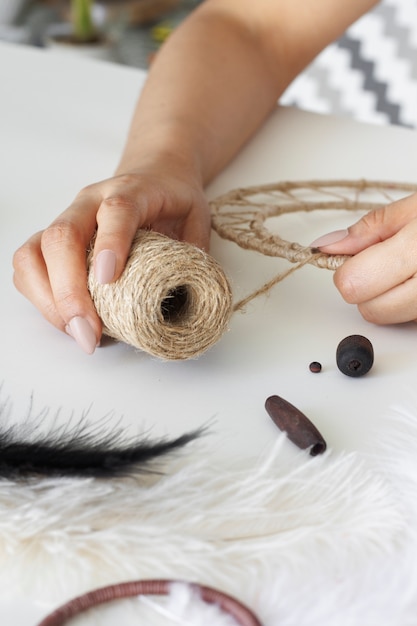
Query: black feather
<point>83,450</point>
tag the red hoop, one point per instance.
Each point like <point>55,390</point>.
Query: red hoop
<point>61,616</point>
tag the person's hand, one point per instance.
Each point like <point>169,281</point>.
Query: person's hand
<point>381,277</point>
<point>50,268</point>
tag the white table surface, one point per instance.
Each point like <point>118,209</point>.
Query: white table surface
<point>62,125</point>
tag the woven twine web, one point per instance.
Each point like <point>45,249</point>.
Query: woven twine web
<point>240,216</point>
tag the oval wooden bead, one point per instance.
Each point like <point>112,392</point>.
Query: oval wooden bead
<point>355,355</point>
<point>300,430</point>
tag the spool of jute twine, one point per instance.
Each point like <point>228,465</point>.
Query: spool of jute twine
<point>174,301</point>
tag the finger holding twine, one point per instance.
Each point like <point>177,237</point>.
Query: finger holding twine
<point>174,301</point>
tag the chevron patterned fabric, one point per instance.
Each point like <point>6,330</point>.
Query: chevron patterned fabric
<point>369,74</point>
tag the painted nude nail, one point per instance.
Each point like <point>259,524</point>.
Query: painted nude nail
<point>83,333</point>
<point>105,266</point>
<point>329,238</point>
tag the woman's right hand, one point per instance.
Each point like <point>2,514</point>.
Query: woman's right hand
<point>50,268</point>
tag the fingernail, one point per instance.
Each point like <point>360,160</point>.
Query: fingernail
<point>105,266</point>
<point>329,238</point>
<point>83,333</point>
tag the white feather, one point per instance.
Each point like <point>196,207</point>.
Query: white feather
<point>329,540</point>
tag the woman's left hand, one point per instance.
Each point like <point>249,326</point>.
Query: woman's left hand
<point>381,276</point>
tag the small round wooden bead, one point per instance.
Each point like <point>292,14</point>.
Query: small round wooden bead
<point>355,355</point>
<point>315,367</point>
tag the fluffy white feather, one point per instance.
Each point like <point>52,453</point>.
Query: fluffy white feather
<point>329,541</point>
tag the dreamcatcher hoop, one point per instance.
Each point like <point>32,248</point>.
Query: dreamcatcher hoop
<point>159,587</point>
<point>240,214</point>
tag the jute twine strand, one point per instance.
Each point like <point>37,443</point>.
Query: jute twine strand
<point>174,301</point>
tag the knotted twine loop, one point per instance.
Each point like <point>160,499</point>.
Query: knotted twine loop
<point>172,301</point>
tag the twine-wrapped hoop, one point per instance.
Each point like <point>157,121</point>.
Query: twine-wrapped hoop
<point>230,605</point>
<point>240,214</point>
<point>172,301</point>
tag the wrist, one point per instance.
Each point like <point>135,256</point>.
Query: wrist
<point>165,151</point>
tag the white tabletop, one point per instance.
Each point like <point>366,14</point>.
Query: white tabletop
<point>62,125</point>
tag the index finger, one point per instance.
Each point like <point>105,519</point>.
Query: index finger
<point>380,267</point>
<point>64,247</point>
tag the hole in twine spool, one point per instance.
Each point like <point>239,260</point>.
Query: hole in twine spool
<point>174,307</point>
<point>172,301</point>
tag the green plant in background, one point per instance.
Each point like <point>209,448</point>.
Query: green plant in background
<point>82,21</point>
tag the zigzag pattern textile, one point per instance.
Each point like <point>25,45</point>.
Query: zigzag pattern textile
<point>369,74</point>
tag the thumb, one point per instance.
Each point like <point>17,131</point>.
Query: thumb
<point>372,228</point>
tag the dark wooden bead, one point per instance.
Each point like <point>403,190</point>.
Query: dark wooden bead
<point>315,367</point>
<point>300,430</point>
<point>355,355</point>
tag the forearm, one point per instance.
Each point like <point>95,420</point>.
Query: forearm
<point>202,99</point>
<point>220,74</point>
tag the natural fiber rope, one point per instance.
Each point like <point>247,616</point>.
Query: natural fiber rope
<point>61,616</point>
<point>174,301</point>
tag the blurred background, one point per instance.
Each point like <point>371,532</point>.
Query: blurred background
<point>135,28</point>
<point>370,74</point>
